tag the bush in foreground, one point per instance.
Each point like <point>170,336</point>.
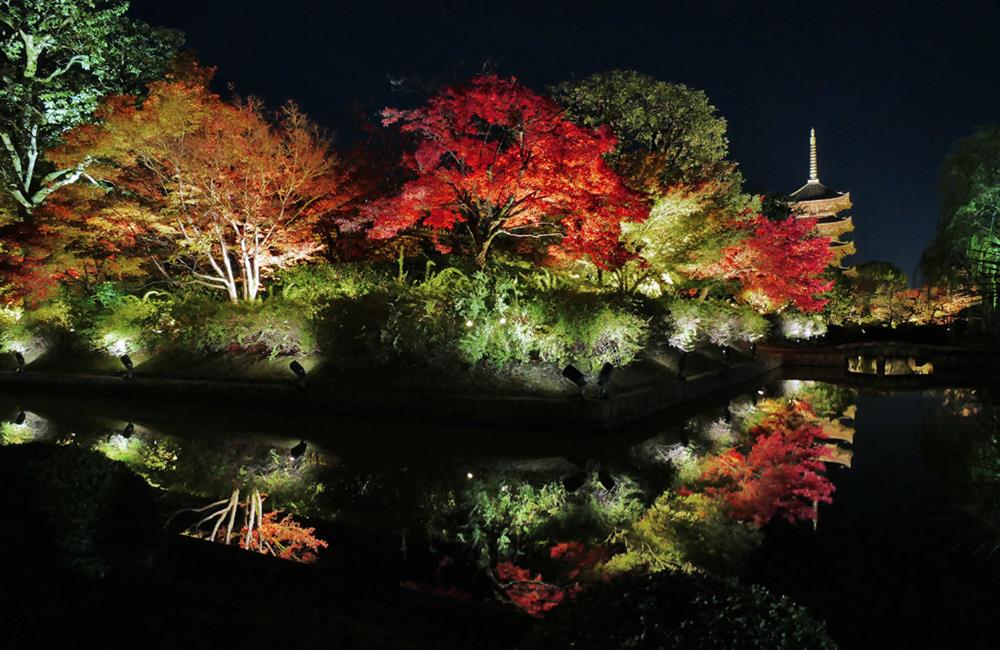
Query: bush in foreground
<point>77,508</point>
<point>680,610</point>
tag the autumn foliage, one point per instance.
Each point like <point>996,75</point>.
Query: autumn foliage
<point>533,594</point>
<point>780,263</point>
<point>220,193</point>
<point>283,537</point>
<point>494,161</point>
<point>780,475</point>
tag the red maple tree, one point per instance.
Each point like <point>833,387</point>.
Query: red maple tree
<point>779,263</point>
<point>781,474</point>
<point>495,160</point>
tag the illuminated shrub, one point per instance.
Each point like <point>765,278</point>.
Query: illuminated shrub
<point>500,320</point>
<point>124,324</point>
<point>679,610</point>
<point>797,326</point>
<point>29,331</point>
<point>313,286</point>
<point>273,327</point>
<point>693,322</point>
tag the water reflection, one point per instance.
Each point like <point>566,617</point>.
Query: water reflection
<point>693,494</point>
<point>477,512</point>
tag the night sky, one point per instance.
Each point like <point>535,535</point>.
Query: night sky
<point>888,86</point>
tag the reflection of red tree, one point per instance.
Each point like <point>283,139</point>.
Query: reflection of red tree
<point>781,474</point>
<point>532,594</point>
<point>536,596</point>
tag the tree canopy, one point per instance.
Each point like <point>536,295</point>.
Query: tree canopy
<point>215,192</point>
<point>966,248</point>
<point>58,60</point>
<point>494,160</point>
<point>668,134</point>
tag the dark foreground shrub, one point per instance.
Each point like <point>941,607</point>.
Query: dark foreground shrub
<point>76,508</point>
<point>679,610</point>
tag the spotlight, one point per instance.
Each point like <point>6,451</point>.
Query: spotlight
<point>604,377</point>
<point>299,371</point>
<point>571,373</point>
<point>682,365</point>
<point>19,359</point>
<point>127,362</point>
<point>725,355</point>
<point>298,450</point>
<point>128,431</point>
<point>753,351</point>
<point>20,418</point>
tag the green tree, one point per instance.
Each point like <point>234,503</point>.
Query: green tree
<point>668,134</point>
<point>58,59</point>
<point>968,238</point>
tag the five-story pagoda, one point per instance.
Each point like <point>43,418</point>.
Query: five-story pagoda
<point>815,200</point>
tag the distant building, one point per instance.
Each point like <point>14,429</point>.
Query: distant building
<point>815,200</point>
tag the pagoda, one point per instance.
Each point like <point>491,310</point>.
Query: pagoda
<point>817,201</point>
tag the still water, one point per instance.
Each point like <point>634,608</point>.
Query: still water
<point>904,556</point>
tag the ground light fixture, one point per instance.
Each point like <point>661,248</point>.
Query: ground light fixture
<point>299,449</point>
<point>571,373</point>
<point>129,367</point>
<point>128,431</point>
<point>299,371</point>
<point>20,418</point>
<point>19,359</point>
<point>604,377</point>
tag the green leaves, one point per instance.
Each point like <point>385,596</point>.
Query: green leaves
<point>58,59</point>
<point>667,133</point>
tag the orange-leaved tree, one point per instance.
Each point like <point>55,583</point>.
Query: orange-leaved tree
<point>222,193</point>
<point>494,161</point>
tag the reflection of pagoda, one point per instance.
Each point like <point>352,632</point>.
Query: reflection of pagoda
<point>815,200</point>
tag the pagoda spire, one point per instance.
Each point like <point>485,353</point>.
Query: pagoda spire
<point>813,164</point>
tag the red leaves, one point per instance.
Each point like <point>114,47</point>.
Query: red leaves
<point>780,475</point>
<point>495,160</point>
<point>284,538</point>
<point>536,596</point>
<point>781,263</point>
<point>533,595</point>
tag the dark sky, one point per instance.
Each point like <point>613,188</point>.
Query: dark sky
<point>887,85</point>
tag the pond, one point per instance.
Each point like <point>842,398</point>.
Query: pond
<point>901,553</point>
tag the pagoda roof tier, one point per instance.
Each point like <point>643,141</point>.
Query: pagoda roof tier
<point>835,228</point>
<point>814,191</point>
